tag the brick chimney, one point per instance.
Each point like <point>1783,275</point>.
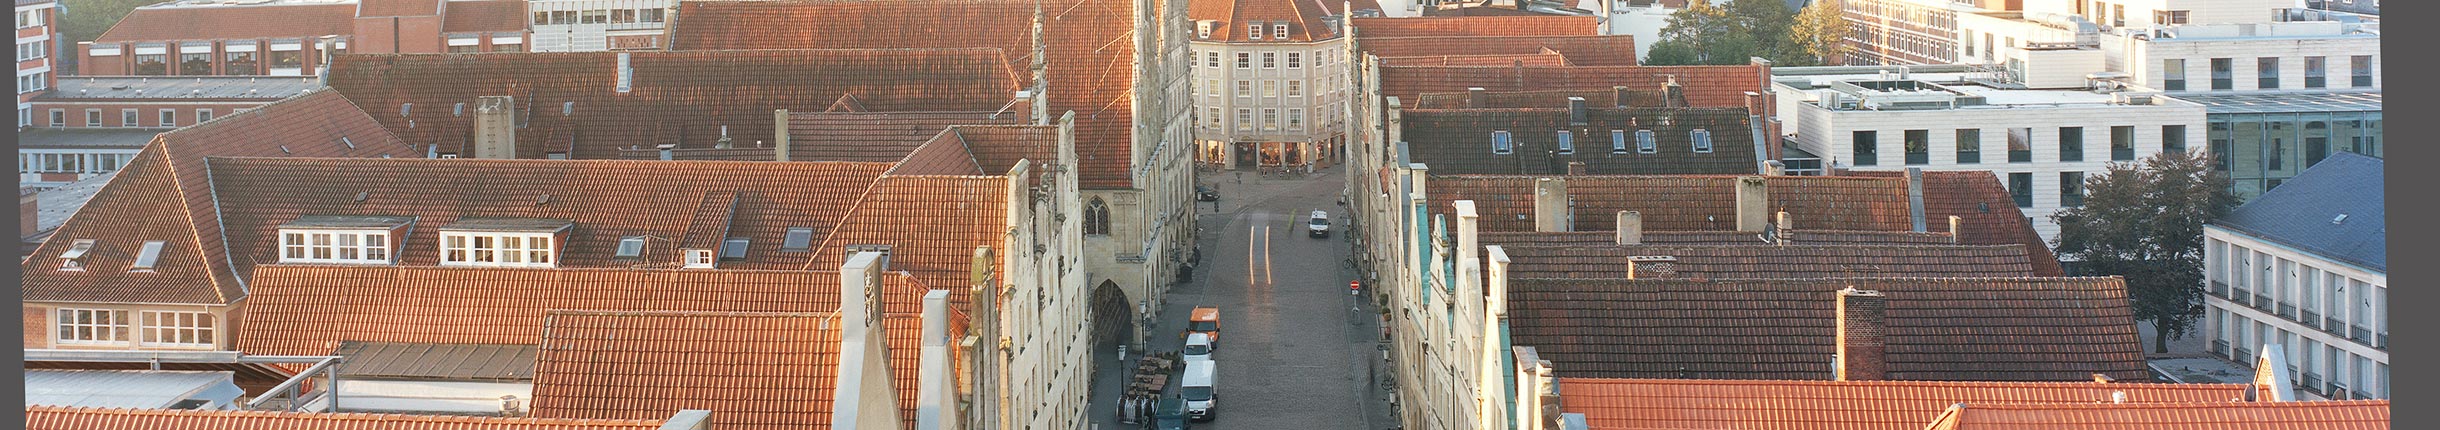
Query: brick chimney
<point>1550,205</point>
<point>495,128</point>
<point>1630,228</point>
<point>28,213</point>
<point>779,134</point>
<point>1914,197</point>
<point>1753,203</point>
<point>1860,330</point>
<point>1953,223</point>
<point>1477,98</point>
<point>1652,267</point>
<point>1673,94</point>
<point>1575,111</point>
<point>1787,229</point>
<point>1577,168</point>
<point>1774,168</point>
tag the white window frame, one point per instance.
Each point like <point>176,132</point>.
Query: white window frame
<point>328,246</point>
<point>701,258</point>
<point>130,118</point>
<point>1296,88</point>
<point>1296,60</point>
<point>203,115</point>
<point>1279,31</point>
<point>1270,119</point>
<point>1253,31</point>
<point>467,249</point>
<point>1270,60</point>
<point>1245,118</point>
<point>1296,118</point>
<point>102,327</point>
<point>166,118</point>
<point>184,329</point>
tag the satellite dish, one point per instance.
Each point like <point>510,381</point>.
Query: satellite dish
<point>1770,233</point>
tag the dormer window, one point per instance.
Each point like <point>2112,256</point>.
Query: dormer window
<point>1567,142</point>
<point>74,258</point>
<point>147,256</point>
<point>1702,140</point>
<point>1203,29</point>
<point>504,242</point>
<point>698,259</point>
<point>630,247</point>
<point>1644,142</point>
<point>1500,143</point>
<point>341,239</point>
<point>1253,31</point>
<point>733,249</point>
<point>799,239</point>
<point>1618,141</point>
<point>1279,31</point>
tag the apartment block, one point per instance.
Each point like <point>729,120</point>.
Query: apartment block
<point>2304,267</point>
<point>293,37</point>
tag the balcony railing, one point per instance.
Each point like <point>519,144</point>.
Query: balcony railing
<point>2242,353</point>
<point>2238,294</point>
<point>2262,302</point>
<point>2330,324</point>
<point>2310,319</point>
<point>2287,311</point>
<point>2312,382</point>
<point>2360,334</point>
<point>2219,348</point>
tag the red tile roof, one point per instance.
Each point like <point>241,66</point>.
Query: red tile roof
<point>390,8</point>
<point>876,136</point>
<point>503,16</point>
<point>944,155</point>
<point>308,310</point>
<point>928,221</point>
<point>1583,50</point>
<point>1459,141</point>
<point>687,98</point>
<point>1304,18</point>
<point>1682,203</point>
<point>1753,260</point>
<point>155,24</point>
<point>1367,28</point>
<point>605,199</point>
<point>164,194</point>
<point>1944,329</point>
<point>1837,405</point>
<point>1705,86</point>
<point>64,418</point>
<point>1551,59</point>
<point>1645,97</point>
<point>1714,238</point>
<point>1987,214</point>
<point>2012,415</point>
<point>1089,55</point>
<point>752,370</point>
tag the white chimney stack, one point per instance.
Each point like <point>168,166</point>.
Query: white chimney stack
<point>1550,205</point>
<point>936,397</point>
<point>1630,228</point>
<point>1914,197</point>
<point>1753,203</point>
<point>779,134</point>
<point>865,395</point>
<point>626,74</point>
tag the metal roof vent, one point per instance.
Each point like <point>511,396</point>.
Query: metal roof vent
<point>626,75</point>
<point>544,200</point>
<point>351,144</point>
<point>361,195</point>
<point>2342,218</point>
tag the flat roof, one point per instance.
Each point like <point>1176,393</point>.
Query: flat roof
<point>2285,101</point>
<point>55,205</point>
<point>138,389</point>
<point>223,3</point>
<point>265,88</point>
<point>1954,80</point>
<point>86,138</point>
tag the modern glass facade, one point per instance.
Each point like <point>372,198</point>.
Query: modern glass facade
<point>2265,138</point>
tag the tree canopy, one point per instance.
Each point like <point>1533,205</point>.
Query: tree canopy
<point>1703,33</point>
<point>2145,222</point>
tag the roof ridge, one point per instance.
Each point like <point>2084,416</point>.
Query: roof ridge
<point>2133,404</point>
<point>1886,382</point>
<point>861,199</point>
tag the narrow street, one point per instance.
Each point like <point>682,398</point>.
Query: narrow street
<point>1296,350</point>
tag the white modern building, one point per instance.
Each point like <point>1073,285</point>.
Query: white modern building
<point>1269,89</point>
<point>600,25</point>
<point>2306,267</point>
<point>2041,142</point>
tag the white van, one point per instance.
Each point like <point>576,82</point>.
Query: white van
<point>1319,225</point>
<point>1201,399</point>
<point>1198,346</point>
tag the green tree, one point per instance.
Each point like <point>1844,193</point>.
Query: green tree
<point>1710,34</point>
<point>84,20</point>
<point>1767,23</point>
<point>1819,34</point>
<point>2145,222</point>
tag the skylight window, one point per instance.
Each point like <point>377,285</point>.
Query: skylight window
<point>1500,143</point>
<point>150,254</point>
<point>1567,142</point>
<point>799,239</point>
<point>1618,141</point>
<point>74,258</point>
<point>1644,143</point>
<point>1702,140</point>
<point>733,249</point>
<point>630,247</point>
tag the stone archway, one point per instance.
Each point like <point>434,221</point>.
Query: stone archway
<point>1113,315</point>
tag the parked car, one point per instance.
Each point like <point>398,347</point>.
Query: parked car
<point>1202,399</point>
<point>1170,414</point>
<point>1205,193</point>
<point>1204,320</point>
<point>1319,226</point>
<point>1198,346</point>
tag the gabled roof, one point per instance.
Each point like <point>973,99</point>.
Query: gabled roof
<point>1089,59</point>
<point>2304,212</point>
<point>877,136</point>
<point>59,418</point>
<point>1713,238</point>
<point>1580,49</point>
<point>1705,86</point>
<point>1546,59</point>
<point>566,100</point>
<point>753,370</point>
<point>1368,28</point>
<point>605,199</point>
<point>308,310</point>
<point>1986,213</point>
<point>1840,405</point>
<point>1460,141</point>
<point>1758,261</point>
<point>1938,329</point>
<point>926,220</point>
<point>165,194</point>
<point>2013,415</point>
<point>1681,203</point>
<point>161,23</point>
<point>1304,18</point>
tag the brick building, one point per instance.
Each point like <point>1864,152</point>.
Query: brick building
<point>294,37</point>
<point>37,53</point>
